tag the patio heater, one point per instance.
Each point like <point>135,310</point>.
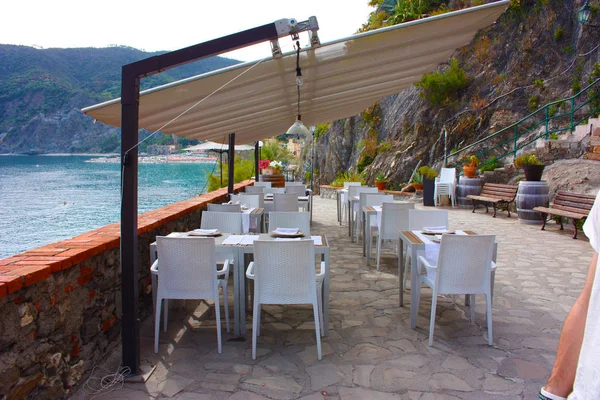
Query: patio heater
<point>130,96</point>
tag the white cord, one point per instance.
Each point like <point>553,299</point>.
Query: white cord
<point>97,386</point>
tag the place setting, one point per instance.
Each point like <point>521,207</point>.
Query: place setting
<point>205,232</point>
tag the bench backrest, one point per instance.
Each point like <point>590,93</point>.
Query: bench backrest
<point>497,190</point>
<point>574,202</point>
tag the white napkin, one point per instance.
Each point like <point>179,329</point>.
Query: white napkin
<point>233,239</point>
<point>249,239</point>
<point>318,240</point>
<point>287,231</point>
<point>435,228</point>
<point>286,239</point>
<point>205,231</point>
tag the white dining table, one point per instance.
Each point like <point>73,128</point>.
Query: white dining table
<point>241,246</point>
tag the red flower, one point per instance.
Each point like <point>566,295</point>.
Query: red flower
<point>262,164</point>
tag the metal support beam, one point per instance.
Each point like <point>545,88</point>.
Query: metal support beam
<point>256,159</point>
<point>130,91</point>
<point>230,160</point>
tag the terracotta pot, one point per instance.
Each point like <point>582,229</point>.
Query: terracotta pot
<point>470,172</point>
<point>380,185</point>
<point>417,186</point>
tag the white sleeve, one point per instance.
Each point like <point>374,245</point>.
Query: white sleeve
<point>591,228</point>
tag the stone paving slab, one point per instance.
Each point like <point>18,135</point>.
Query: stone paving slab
<point>371,352</point>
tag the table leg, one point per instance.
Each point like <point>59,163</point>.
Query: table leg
<point>237,266</point>
<point>350,222</point>
<point>326,295</point>
<point>364,218</point>
<point>401,271</point>
<point>242,291</point>
<point>337,200</point>
<point>414,287</point>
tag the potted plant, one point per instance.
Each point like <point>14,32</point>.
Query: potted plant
<point>531,165</point>
<point>428,174</point>
<point>470,165</point>
<point>380,181</point>
<point>417,181</point>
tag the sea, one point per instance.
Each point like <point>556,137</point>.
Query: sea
<point>45,199</point>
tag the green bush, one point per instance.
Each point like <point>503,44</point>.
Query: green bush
<point>347,176</point>
<point>243,169</point>
<point>527,159</point>
<point>441,88</point>
<point>553,136</point>
<point>489,165</point>
<point>534,102</point>
<point>428,173</point>
<point>364,162</point>
<point>559,34</point>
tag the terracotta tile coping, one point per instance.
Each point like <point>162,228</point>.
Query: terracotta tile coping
<point>38,264</point>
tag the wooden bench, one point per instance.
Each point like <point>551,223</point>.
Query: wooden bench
<point>576,206</point>
<point>498,195</point>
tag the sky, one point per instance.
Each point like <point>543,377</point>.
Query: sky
<point>169,25</point>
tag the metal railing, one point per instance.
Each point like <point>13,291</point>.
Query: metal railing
<point>547,119</point>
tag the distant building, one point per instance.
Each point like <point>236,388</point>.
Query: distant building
<point>161,150</point>
<point>294,145</point>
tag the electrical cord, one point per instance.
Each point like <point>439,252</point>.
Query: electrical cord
<point>96,386</point>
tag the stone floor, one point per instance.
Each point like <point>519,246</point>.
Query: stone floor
<point>371,353</point>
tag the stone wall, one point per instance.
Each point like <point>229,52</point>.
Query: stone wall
<point>60,303</point>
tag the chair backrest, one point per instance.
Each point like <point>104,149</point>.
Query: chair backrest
<point>394,218</point>
<point>296,189</point>
<point>464,264</point>
<point>419,219</point>
<point>348,184</point>
<point>187,268</point>
<point>255,189</point>
<point>235,208</point>
<point>294,184</point>
<point>447,175</point>
<point>300,220</point>
<point>251,200</point>
<point>273,190</point>
<point>284,272</point>
<point>262,184</point>
<point>372,199</point>
<point>223,221</point>
<point>357,190</point>
<point>285,202</point>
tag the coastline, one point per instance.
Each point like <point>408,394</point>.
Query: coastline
<point>114,158</point>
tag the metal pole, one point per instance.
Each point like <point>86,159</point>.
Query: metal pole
<point>445,147</point>
<point>312,163</point>
<point>230,160</point>
<point>130,262</point>
<point>221,164</point>
<point>256,150</point>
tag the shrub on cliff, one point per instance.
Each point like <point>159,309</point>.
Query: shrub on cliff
<point>442,88</point>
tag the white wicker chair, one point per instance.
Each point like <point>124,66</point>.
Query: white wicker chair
<point>251,200</point>
<point>355,191</point>
<point>256,189</point>
<point>464,266</point>
<point>284,273</point>
<point>262,184</point>
<point>187,269</point>
<point>298,190</point>
<point>224,221</point>
<point>445,184</point>
<point>369,199</point>
<point>285,202</point>
<point>394,218</point>
<point>300,220</point>
<point>344,200</point>
<point>419,219</point>
<point>273,190</point>
<point>233,208</point>
<point>290,183</point>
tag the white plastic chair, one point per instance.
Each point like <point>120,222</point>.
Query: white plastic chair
<point>251,200</point>
<point>298,190</point>
<point>285,202</point>
<point>284,273</point>
<point>368,199</point>
<point>262,184</point>
<point>419,219</point>
<point>394,218</point>
<point>355,191</point>
<point>223,221</point>
<point>445,184</point>
<point>464,266</point>
<point>300,220</point>
<point>256,189</point>
<point>273,190</point>
<point>290,183</point>
<point>232,208</point>
<point>187,269</point>
<point>344,200</point>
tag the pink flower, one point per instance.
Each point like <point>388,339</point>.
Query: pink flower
<point>262,164</point>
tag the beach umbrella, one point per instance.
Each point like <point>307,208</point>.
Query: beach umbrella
<point>217,148</point>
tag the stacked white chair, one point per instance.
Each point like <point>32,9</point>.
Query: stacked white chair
<point>232,208</point>
<point>344,200</point>
<point>300,220</point>
<point>394,218</point>
<point>187,269</point>
<point>285,202</point>
<point>284,273</point>
<point>368,199</point>
<point>464,266</point>
<point>445,184</point>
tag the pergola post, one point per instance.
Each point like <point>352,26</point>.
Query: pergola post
<point>256,159</point>
<point>130,93</point>
<point>230,160</point>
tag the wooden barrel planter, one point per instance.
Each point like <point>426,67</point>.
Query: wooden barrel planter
<point>530,195</point>
<point>467,186</point>
<point>277,180</point>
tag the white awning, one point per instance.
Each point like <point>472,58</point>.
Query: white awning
<point>341,78</point>
<point>217,147</point>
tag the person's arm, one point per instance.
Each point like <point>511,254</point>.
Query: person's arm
<point>563,373</point>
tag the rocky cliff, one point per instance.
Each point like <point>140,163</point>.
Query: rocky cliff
<point>537,52</point>
<point>42,91</point>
